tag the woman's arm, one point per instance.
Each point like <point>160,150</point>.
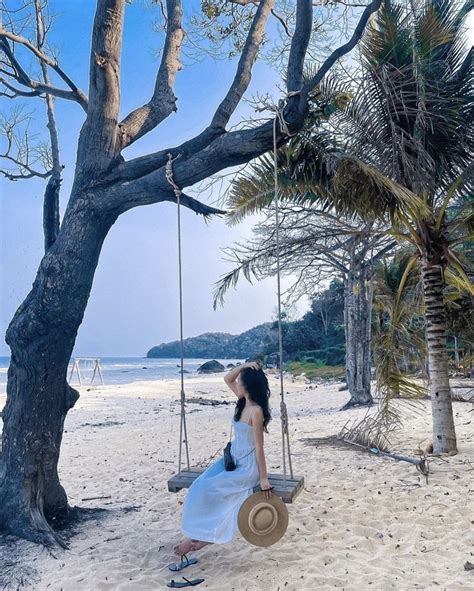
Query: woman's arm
<point>233,374</point>
<point>257,426</point>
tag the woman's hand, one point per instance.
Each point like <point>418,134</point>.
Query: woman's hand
<point>252,365</point>
<point>266,487</point>
<point>231,377</point>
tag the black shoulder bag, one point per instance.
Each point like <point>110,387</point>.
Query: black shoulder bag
<point>229,463</point>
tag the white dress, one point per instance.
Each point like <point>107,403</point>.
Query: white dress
<point>213,501</point>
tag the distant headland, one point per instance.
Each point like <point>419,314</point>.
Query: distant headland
<point>220,345</point>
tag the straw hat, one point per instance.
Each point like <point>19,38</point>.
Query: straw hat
<point>262,521</point>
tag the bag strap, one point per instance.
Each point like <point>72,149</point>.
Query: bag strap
<point>232,423</point>
<point>251,415</point>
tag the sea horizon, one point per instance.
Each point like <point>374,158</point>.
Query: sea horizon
<point>124,370</point>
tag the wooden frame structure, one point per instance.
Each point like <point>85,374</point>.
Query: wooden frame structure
<point>76,366</point>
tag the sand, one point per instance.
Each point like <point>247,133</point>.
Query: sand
<point>362,522</point>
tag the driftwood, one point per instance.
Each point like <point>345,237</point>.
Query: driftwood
<point>207,401</point>
<point>462,396</point>
<point>371,434</point>
<point>421,464</point>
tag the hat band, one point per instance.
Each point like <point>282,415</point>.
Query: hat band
<point>253,520</point>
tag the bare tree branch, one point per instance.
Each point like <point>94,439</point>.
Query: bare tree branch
<point>19,151</point>
<point>51,196</point>
<point>194,205</point>
<point>343,49</point>
<point>16,91</point>
<point>11,176</point>
<point>143,165</point>
<point>244,2</point>
<point>20,75</point>
<point>244,69</point>
<point>163,102</point>
<point>246,143</point>
<point>282,21</point>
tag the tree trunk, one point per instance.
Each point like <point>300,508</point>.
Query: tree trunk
<point>357,319</point>
<point>444,434</point>
<point>41,336</point>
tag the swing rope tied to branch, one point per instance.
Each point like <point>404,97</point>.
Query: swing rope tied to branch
<point>285,435</point>
<point>280,121</point>
<point>183,432</point>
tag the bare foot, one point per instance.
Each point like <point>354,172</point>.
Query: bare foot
<point>183,547</point>
<point>197,545</point>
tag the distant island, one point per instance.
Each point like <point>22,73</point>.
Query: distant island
<point>220,345</point>
<point>317,337</point>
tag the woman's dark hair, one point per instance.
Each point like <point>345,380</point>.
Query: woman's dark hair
<point>256,383</point>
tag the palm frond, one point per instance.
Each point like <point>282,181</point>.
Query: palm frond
<point>399,340</point>
<point>456,276</point>
<point>250,267</point>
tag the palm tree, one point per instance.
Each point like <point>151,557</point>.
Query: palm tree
<point>414,117</point>
<point>409,143</point>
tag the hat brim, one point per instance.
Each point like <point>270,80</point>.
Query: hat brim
<point>265,539</point>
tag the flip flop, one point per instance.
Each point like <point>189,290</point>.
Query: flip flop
<point>187,583</point>
<point>185,561</point>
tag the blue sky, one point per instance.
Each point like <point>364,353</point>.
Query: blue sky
<point>133,304</point>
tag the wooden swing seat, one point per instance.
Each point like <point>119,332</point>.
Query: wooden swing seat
<point>288,490</point>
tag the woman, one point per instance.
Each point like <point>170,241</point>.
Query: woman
<point>212,505</point>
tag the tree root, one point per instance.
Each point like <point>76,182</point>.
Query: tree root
<point>357,404</point>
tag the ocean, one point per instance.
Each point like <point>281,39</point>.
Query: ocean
<point>123,370</point>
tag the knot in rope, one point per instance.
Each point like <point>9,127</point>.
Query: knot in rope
<point>169,175</point>
<point>278,110</point>
<point>284,415</point>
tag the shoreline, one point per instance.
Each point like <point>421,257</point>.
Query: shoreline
<point>361,522</point>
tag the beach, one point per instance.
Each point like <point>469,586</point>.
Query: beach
<point>361,522</point>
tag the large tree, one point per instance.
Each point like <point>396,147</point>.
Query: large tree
<point>43,330</point>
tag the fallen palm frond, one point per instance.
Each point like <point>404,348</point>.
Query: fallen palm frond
<point>371,434</point>
<point>372,431</point>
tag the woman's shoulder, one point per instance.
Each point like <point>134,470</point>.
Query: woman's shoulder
<point>257,413</point>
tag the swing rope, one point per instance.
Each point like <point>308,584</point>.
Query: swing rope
<point>285,435</point>
<point>182,426</point>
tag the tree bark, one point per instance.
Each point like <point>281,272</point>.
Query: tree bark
<point>357,319</point>
<point>51,210</point>
<point>41,336</point>
<point>444,434</point>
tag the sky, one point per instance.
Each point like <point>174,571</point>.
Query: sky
<point>134,301</point>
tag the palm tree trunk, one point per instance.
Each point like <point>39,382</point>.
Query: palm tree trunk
<point>444,434</point>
